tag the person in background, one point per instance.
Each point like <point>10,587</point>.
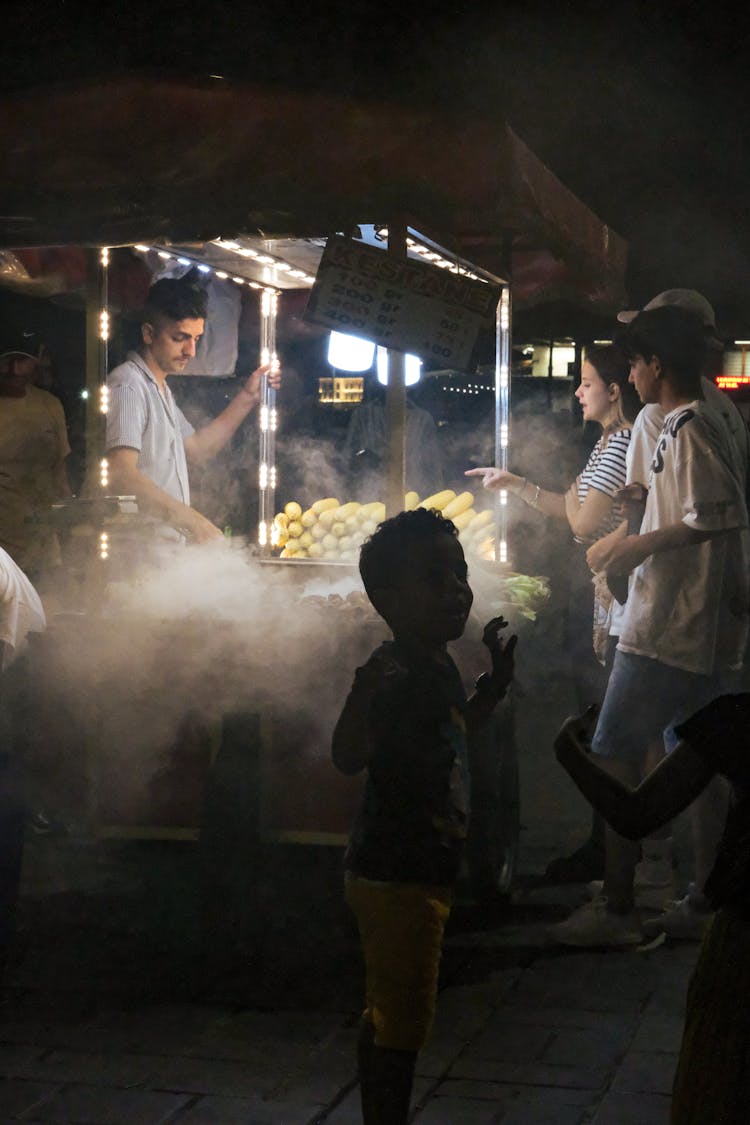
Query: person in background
<point>366,448</point>
<point>405,722</point>
<point>149,442</point>
<point>21,613</point>
<point>712,1080</point>
<point>591,510</point>
<point>685,917</point>
<point>684,630</point>
<point>33,451</point>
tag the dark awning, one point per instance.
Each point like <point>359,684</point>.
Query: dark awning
<point>137,160</point>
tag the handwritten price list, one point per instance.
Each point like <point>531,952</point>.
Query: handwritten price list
<point>405,305</point>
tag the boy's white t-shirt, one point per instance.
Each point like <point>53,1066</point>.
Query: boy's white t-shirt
<point>644,436</point>
<point>689,607</point>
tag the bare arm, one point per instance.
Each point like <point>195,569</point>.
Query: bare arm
<point>351,746</point>
<point>634,813</point>
<point>492,686</point>
<point>632,550</point>
<point>127,479</point>
<point>584,518</point>
<point>549,503</point>
<point>205,443</point>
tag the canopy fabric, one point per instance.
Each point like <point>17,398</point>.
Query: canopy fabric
<point>137,159</point>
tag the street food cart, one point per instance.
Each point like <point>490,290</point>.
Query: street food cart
<point>266,183</point>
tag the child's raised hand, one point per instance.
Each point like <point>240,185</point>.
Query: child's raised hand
<point>501,652</point>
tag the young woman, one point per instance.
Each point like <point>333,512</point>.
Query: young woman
<point>591,510</point>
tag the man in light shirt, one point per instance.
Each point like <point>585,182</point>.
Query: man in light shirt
<point>149,441</point>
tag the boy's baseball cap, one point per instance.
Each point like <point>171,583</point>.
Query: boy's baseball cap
<point>689,299</point>
<point>21,343</point>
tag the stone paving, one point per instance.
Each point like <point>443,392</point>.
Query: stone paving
<point>113,1011</point>
<point>526,1033</point>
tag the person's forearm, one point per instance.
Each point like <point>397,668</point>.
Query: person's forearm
<point>151,499</point>
<point>622,807</point>
<point>635,813</point>
<point>206,442</point>
<point>674,536</point>
<point>548,503</point>
<point>350,746</point>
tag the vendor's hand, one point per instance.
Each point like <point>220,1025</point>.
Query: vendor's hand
<point>626,555</point>
<point>578,730</point>
<point>501,653</point>
<point>202,530</point>
<point>252,384</point>
<point>599,553</point>
<point>496,479</point>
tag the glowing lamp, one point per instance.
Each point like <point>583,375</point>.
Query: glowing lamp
<point>350,353</point>
<point>412,368</point>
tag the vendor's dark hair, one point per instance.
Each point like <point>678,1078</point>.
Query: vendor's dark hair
<point>175,299</point>
<point>677,337</point>
<point>612,366</point>
<point>384,554</point>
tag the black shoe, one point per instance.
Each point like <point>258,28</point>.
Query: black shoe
<point>581,866</point>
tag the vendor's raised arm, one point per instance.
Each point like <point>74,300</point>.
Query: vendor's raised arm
<point>205,443</point>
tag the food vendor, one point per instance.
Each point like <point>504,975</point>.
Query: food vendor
<point>149,441</point>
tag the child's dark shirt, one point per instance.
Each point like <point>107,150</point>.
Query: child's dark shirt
<point>412,819</point>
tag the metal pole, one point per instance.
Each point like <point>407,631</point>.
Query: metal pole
<point>395,400</point>
<point>502,416</point>
<point>267,422</point>
<point>97,352</point>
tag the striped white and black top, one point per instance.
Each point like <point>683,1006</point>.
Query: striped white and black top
<point>605,471</point>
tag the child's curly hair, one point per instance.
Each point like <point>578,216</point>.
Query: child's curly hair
<point>384,554</point>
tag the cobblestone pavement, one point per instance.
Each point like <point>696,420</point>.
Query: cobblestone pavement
<point>127,1002</point>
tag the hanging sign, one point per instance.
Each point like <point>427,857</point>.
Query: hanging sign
<point>402,304</point>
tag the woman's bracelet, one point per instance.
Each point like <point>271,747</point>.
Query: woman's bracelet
<point>534,502</point>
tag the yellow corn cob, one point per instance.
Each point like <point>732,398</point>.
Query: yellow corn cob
<point>459,505</point>
<point>481,520</point>
<point>295,529</point>
<point>323,505</point>
<point>346,510</point>
<point>439,499</point>
<point>293,510</point>
<point>411,500</point>
<point>374,511</point>
<point>463,520</point>
<point>281,519</point>
<point>315,551</point>
<point>308,518</point>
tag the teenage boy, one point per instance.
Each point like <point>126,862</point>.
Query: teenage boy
<point>405,722</point>
<point>149,441</point>
<point>684,628</point>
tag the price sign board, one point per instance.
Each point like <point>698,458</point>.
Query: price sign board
<point>409,306</point>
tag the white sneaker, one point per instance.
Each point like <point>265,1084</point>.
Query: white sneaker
<point>593,925</point>
<point>685,920</point>
<point>653,885</point>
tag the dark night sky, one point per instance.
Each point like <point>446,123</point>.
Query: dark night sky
<point>640,108</point>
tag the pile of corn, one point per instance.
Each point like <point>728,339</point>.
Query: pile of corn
<point>332,530</point>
